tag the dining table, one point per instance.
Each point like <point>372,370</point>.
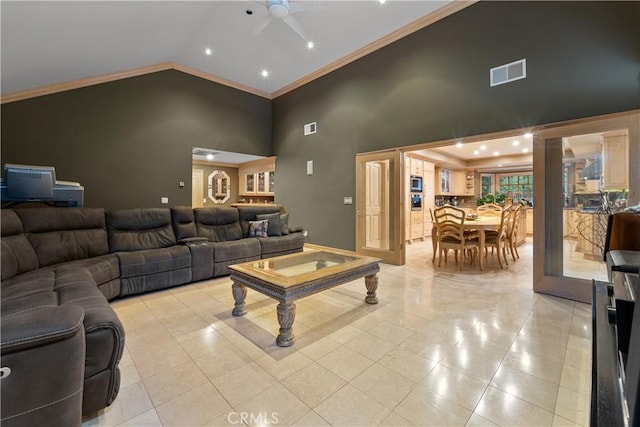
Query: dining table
<point>479,223</point>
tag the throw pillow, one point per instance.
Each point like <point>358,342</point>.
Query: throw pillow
<point>258,228</point>
<point>275,225</point>
<point>284,220</point>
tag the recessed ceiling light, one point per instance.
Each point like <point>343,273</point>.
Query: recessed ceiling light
<point>476,152</point>
<point>483,147</point>
<point>382,1</point>
<point>515,142</point>
<point>496,153</point>
<point>528,135</point>
<point>265,73</point>
<point>499,166</point>
<point>209,156</point>
<point>208,51</point>
<point>310,45</point>
<point>458,144</point>
<point>525,150</point>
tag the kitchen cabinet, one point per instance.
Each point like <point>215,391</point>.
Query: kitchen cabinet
<point>455,182</point>
<point>529,221</point>
<point>615,160</point>
<point>417,167</point>
<point>428,199</point>
<point>569,217</point>
<point>257,178</point>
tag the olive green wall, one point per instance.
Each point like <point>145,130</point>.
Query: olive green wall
<point>129,141</point>
<point>583,59</point>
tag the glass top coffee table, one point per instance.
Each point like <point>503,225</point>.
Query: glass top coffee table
<point>288,278</point>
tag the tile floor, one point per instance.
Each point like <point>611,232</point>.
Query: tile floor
<point>442,347</point>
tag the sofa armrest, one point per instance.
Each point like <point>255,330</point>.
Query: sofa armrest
<point>39,326</point>
<point>296,229</point>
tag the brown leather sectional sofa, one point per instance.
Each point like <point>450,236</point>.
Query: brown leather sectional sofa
<point>61,342</point>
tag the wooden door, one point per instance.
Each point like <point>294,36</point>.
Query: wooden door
<point>380,206</point>
<point>375,209</point>
<point>197,187</point>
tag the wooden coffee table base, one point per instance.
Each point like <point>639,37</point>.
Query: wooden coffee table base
<point>287,309</point>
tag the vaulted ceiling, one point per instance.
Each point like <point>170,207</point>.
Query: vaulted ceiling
<point>52,42</point>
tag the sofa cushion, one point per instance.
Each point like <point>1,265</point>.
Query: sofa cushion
<point>259,228</point>
<point>250,213</point>
<point>64,234</point>
<point>183,220</point>
<point>289,243</point>
<point>140,229</point>
<point>284,220</point>
<point>275,223</point>
<point>103,268</point>
<point>151,261</point>
<point>236,249</point>
<point>28,290</point>
<point>218,224</point>
<point>17,254</point>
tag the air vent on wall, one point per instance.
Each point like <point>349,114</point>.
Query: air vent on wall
<point>508,73</point>
<point>309,128</point>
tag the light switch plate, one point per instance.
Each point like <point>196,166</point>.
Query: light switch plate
<point>348,200</point>
<point>309,167</point>
<point>164,200</point>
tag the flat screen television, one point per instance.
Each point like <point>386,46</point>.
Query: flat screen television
<point>29,182</point>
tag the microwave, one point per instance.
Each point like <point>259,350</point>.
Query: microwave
<point>416,201</point>
<point>416,183</point>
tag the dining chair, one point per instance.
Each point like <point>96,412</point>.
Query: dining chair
<point>451,234</point>
<point>434,230</point>
<point>498,238</point>
<point>512,233</point>
<point>489,209</point>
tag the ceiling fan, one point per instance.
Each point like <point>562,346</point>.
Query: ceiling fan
<point>284,10</point>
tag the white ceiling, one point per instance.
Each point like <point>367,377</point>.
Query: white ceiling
<point>225,157</point>
<point>486,149</point>
<point>48,42</point>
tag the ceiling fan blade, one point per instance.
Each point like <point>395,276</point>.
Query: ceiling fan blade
<point>262,26</point>
<point>291,21</point>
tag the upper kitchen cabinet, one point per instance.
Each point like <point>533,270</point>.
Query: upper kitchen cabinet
<point>454,182</point>
<point>615,160</point>
<point>416,167</point>
<point>257,178</point>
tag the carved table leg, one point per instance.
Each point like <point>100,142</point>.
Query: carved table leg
<point>239,294</point>
<point>286,316</point>
<point>372,285</point>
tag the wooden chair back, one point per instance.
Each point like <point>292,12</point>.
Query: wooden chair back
<point>490,209</point>
<point>450,223</point>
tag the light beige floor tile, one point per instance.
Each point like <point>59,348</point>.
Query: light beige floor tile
<point>283,367</point>
<point>384,385</point>
<point>407,364</point>
<point>174,382</point>
<point>316,347</point>
<point>225,360</point>
<point>527,387</point>
<point>313,384</point>
<point>148,419</point>
<point>339,409</point>
<point>395,420</point>
<point>194,407</point>
<point>392,333</point>
<point>474,362</point>
<point>132,401</point>
<point>573,406</point>
<point>369,346</point>
<point>425,408</point>
<point>243,383</point>
<point>505,409</point>
<point>558,421</point>
<point>478,421</point>
<point>274,403</point>
<point>427,315</point>
<point>345,363</point>
<point>455,386</point>
<point>576,379</point>
<point>311,419</point>
<point>547,368</point>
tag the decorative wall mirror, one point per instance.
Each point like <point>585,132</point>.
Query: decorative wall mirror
<point>219,187</point>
